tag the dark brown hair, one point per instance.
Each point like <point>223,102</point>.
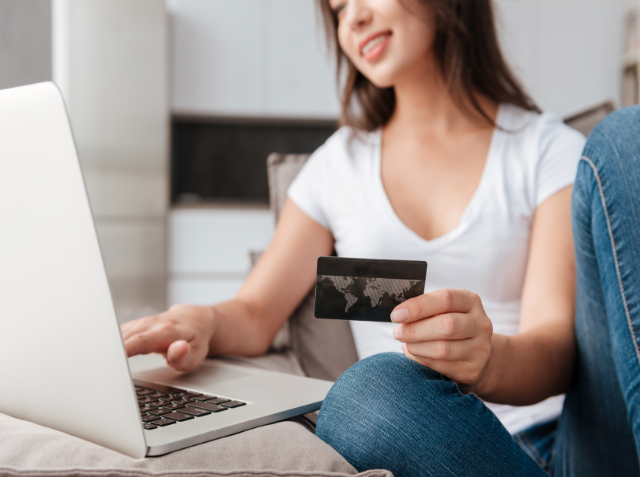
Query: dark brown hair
<point>466,48</point>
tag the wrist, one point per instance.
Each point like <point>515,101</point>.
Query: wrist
<point>211,326</point>
<point>490,378</point>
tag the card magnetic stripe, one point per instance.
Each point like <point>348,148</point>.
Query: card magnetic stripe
<point>372,268</point>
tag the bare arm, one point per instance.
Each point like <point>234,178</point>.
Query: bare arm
<point>247,324</point>
<point>538,362</point>
<point>449,331</point>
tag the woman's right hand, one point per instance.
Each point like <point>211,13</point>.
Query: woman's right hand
<point>182,334</point>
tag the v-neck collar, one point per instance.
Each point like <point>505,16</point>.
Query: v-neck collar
<point>473,208</point>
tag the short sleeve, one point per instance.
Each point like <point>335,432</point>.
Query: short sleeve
<point>560,151</point>
<point>308,189</point>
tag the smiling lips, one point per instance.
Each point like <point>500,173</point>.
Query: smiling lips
<point>373,46</point>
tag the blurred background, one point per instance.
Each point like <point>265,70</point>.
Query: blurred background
<point>176,104</point>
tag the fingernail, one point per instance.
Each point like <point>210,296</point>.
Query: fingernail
<point>397,332</point>
<point>400,315</point>
<point>404,347</point>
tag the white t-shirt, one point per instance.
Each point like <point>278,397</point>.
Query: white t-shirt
<point>532,158</point>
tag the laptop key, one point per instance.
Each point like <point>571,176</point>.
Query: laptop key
<point>148,426</point>
<point>177,416</point>
<point>146,399</point>
<point>148,407</point>
<point>149,418</point>
<point>181,399</point>
<point>163,422</point>
<point>209,407</point>
<point>191,395</point>
<point>144,391</point>
<point>203,397</point>
<point>233,404</point>
<point>160,411</point>
<point>218,400</point>
<point>172,405</point>
<point>194,411</point>
<point>156,395</point>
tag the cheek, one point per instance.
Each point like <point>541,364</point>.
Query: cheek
<point>348,46</point>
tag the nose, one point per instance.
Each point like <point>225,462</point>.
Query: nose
<point>358,14</point>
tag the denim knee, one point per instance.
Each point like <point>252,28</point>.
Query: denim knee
<point>383,406</point>
<point>617,139</point>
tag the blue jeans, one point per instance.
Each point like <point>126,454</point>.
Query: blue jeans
<point>389,412</point>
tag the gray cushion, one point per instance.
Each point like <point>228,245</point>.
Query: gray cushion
<point>325,348</point>
<point>285,448</point>
<point>589,119</point>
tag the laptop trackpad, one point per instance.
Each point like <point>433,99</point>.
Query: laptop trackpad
<point>153,368</point>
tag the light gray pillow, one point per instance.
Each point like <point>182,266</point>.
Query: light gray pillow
<point>325,348</point>
<point>282,449</point>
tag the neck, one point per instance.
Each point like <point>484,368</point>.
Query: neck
<point>424,105</point>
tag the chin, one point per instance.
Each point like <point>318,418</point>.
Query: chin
<point>380,78</point>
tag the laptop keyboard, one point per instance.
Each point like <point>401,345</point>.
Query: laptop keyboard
<point>162,406</point>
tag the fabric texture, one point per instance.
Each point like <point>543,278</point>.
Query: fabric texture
<point>325,348</point>
<point>531,157</point>
<point>287,448</point>
<point>284,448</point>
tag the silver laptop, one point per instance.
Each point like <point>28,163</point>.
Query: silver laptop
<point>63,360</point>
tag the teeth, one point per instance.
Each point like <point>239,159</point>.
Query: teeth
<point>373,43</point>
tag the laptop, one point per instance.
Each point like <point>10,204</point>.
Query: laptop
<point>64,365</point>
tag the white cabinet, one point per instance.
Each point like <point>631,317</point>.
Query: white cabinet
<point>209,251</point>
<point>301,79</point>
<point>219,56</point>
<point>251,58</point>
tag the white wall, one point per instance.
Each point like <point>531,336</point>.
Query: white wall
<point>568,53</point>
<point>25,42</point>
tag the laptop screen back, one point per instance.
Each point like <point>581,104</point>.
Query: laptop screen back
<point>63,361</point>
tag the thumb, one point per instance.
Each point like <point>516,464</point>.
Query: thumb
<point>181,356</point>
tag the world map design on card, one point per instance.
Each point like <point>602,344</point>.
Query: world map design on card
<point>371,295</point>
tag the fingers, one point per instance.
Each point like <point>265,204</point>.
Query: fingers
<point>181,334</point>
<point>434,303</point>
<point>441,350</point>
<point>463,372</point>
<point>129,328</point>
<point>451,326</point>
<point>186,356</point>
<point>155,336</point>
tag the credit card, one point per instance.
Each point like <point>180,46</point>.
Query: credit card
<point>364,289</point>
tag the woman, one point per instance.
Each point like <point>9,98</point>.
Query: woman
<point>442,158</point>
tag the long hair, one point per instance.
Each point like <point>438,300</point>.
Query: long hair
<point>467,53</point>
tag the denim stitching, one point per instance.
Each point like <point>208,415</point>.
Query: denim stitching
<point>541,462</point>
<point>615,254</point>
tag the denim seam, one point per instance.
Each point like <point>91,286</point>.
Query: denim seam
<point>615,254</point>
<point>534,450</point>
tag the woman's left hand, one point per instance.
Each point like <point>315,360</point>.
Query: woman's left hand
<point>447,331</point>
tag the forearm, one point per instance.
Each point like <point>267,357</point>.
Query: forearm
<point>528,367</point>
<point>239,329</point>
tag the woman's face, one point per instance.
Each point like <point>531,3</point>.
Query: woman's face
<point>384,39</point>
